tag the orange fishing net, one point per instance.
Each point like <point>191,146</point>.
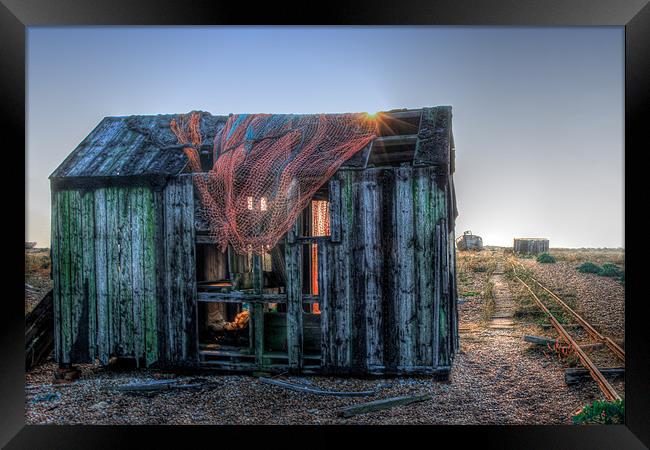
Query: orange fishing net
<point>267,168</point>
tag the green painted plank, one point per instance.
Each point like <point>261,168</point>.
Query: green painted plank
<point>89,286</point>
<point>125,278</point>
<point>101,276</point>
<point>150,275</point>
<point>77,329</point>
<point>66,293</point>
<point>55,242</point>
<point>137,267</point>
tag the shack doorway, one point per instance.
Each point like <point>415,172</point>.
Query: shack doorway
<point>242,311</point>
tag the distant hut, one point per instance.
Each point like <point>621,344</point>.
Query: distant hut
<point>530,246</point>
<point>137,274</point>
<point>469,241</point>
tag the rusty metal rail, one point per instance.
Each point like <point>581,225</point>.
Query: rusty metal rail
<point>613,346</point>
<point>603,384</point>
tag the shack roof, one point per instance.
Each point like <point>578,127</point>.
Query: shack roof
<point>139,147</point>
<point>133,146</point>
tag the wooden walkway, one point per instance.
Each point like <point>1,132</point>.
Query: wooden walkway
<point>504,308</point>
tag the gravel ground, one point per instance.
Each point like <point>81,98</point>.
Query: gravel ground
<point>497,378</point>
<point>600,300</point>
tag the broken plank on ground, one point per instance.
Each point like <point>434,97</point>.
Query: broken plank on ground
<point>377,405</point>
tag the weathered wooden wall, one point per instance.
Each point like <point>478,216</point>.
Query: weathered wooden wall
<point>123,270</point>
<point>530,246</point>
<point>386,277</point>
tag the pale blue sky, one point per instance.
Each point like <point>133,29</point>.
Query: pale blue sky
<point>537,112</point>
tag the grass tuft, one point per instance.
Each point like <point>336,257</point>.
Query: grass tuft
<point>545,258</point>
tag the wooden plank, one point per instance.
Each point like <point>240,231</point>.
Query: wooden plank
<point>77,329</point>
<point>335,209</point>
<point>173,315</point>
<point>389,303</point>
<point>150,276</point>
<point>258,311</point>
<point>388,141</point>
<point>310,390</point>
<point>101,276</point>
<point>424,234</point>
<point>378,405</point>
<point>160,258</point>
<point>573,375</point>
<point>543,341</point>
<point>356,277</point>
<point>55,243</point>
<point>65,276</point>
<point>370,209</point>
<point>137,262</point>
<point>293,263</point>
<point>437,289</point>
<point>113,265</point>
<point>341,298</point>
<point>240,297</point>
<point>125,346</point>
<point>89,276</point>
<point>405,282</point>
<point>325,293</point>
<point>190,333</point>
<point>444,297</point>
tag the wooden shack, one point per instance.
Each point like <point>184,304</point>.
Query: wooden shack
<point>530,246</point>
<point>136,274</point>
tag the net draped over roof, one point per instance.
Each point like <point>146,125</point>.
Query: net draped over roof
<point>267,168</point>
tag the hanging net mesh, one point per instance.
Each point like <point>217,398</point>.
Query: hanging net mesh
<point>267,168</point>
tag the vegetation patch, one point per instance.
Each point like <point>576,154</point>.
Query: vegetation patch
<point>545,258</point>
<point>588,267</point>
<point>469,294</point>
<point>610,270</point>
<point>490,302</point>
<point>601,411</point>
<point>607,270</point>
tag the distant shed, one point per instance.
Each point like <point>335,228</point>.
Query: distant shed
<point>530,246</point>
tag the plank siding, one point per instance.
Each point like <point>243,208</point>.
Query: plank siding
<point>180,272</point>
<point>386,284</point>
<point>105,262</point>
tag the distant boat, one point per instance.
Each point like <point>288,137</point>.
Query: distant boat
<point>30,244</point>
<point>469,241</point>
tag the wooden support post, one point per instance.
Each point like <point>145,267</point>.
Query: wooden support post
<point>258,311</point>
<point>294,299</point>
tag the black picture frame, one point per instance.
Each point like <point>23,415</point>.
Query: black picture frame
<point>17,15</point>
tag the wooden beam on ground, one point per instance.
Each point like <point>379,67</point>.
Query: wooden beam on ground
<point>309,390</point>
<point>378,405</point>
<point>538,340</point>
<point>574,375</point>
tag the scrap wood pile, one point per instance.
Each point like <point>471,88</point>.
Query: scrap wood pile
<point>39,332</point>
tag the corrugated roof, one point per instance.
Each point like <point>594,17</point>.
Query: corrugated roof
<point>132,146</point>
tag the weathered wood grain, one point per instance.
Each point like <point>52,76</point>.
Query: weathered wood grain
<point>293,263</point>
<point>101,276</point>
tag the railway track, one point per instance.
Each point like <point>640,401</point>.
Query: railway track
<point>596,374</point>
